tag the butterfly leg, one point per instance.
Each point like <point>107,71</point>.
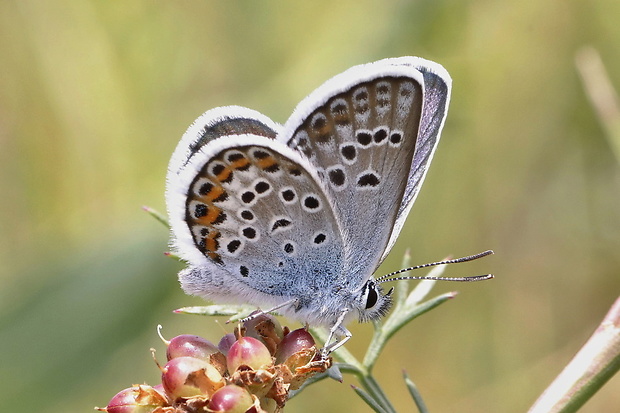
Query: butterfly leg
<point>270,311</point>
<point>337,330</point>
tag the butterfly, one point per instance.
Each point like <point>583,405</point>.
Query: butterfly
<point>297,217</point>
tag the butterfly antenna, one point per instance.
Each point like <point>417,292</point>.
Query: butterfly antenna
<point>390,276</point>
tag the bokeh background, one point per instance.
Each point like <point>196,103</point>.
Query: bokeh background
<point>94,96</point>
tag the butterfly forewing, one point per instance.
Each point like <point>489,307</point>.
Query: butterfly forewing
<point>261,216</point>
<point>215,123</point>
<point>437,85</point>
<point>362,141</point>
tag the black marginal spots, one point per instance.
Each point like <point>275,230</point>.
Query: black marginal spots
<point>383,89</point>
<point>238,161</point>
<point>380,135</point>
<point>248,196</point>
<point>339,109</point>
<point>280,223</point>
<point>340,113</point>
<point>221,197</point>
<point>234,157</point>
<point>223,173</point>
<point>259,154</point>
<point>311,202</point>
<point>368,180</point>
<point>295,171</point>
<point>221,217</point>
<point>364,138</point>
<point>319,123</point>
<point>244,271</point>
<point>320,128</point>
<point>275,167</point>
<point>406,90</point>
<point>319,238</point>
<point>218,169</point>
<point>337,176</point>
<point>205,188</point>
<point>200,211</point>
<point>361,96</point>
<point>233,246</point>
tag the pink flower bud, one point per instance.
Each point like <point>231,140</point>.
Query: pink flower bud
<point>188,376</point>
<point>226,342</point>
<point>231,399</point>
<point>250,352</point>
<point>187,345</point>
<point>263,325</point>
<point>137,399</point>
<point>292,343</point>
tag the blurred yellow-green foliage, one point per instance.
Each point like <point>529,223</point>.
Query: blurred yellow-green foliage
<point>94,96</point>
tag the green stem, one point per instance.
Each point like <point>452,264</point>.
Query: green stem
<point>596,362</point>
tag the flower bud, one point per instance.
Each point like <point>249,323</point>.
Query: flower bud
<point>225,343</point>
<point>264,325</point>
<point>250,352</point>
<point>188,376</point>
<point>187,345</point>
<point>231,399</point>
<point>292,343</point>
<point>137,399</point>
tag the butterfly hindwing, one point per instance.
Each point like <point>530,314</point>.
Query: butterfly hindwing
<point>255,213</point>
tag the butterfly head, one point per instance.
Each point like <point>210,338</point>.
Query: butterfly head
<point>371,302</point>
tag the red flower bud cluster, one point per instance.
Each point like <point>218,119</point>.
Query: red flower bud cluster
<point>250,371</point>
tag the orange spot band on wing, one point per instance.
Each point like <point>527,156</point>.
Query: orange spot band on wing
<point>216,192</point>
<point>224,175</point>
<point>240,163</point>
<point>266,163</point>
<point>212,215</point>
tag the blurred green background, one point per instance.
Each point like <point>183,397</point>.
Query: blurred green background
<point>94,96</point>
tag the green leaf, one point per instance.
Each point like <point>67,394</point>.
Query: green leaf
<point>157,215</point>
<point>235,312</point>
<point>415,394</point>
<point>369,400</point>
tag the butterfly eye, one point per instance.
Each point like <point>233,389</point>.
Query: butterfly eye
<point>372,297</point>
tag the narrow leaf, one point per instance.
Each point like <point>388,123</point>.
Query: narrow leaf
<point>415,394</point>
<point>157,215</point>
<point>235,312</point>
<point>369,400</point>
